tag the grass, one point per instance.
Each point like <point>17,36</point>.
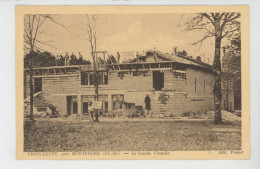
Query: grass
<point>130,135</point>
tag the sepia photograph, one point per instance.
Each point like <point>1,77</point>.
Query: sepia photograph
<point>114,83</point>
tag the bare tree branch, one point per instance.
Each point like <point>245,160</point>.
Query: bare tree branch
<point>32,26</point>
<point>207,16</point>
<point>203,39</point>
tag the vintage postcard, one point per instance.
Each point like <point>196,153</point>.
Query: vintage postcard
<point>132,82</point>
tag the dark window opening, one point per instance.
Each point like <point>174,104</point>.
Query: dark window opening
<point>75,107</point>
<point>87,78</point>
<point>91,79</point>
<point>84,78</point>
<point>85,107</point>
<point>158,80</point>
<point>100,79</point>
<point>106,107</point>
<point>105,79</point>
<point>37,85</point>
<point>69,101</point>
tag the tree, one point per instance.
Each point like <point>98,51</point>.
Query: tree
<point>92,38</point>
<point>231,64</point>
<point>219,26</point>
<point>32,29</point>
<point>46,59</point>
<point>43,59</point>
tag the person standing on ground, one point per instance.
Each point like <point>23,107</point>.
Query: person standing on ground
<point>147,101</point>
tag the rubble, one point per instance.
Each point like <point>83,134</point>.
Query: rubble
<point>226,116</point>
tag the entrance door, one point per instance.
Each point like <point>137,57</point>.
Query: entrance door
<point>72,105</point>
<point>158,80</point>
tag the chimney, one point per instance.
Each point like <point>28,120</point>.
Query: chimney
<point>198,58</point>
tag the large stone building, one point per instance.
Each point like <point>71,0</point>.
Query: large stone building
<point>175,85</point>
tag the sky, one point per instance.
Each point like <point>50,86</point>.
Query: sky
<point>125,33</point>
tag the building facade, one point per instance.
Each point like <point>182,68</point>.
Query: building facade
<point>175,85</point>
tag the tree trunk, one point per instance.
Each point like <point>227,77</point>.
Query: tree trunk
<point>31,87</point>
<point>96,80</point>
<point>217,68</point>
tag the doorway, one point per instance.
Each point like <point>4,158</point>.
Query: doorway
<point>72,105</point>
<point>158,80</point>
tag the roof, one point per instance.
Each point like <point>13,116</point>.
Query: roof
<point>166,58</point>
<point>181,59</point>
<point>177,58</point>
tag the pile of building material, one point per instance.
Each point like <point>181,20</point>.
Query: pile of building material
<point>226,116</point>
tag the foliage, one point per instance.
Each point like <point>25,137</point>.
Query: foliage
<point>231,63</point>
<point>232,66</point>
<point>45,59</point>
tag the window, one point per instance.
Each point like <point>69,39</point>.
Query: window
<point>179,75</point>
<point>105,107</point>
<point>117,101</point>
<point>87,78</point>
<point>84,78</point>
<point>91,79</point>
<point>100,79</point>
<point>105,78</point>
<point>75,107</point>
<point>85,107</point>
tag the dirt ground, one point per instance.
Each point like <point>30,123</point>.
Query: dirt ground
<point>64,134</point>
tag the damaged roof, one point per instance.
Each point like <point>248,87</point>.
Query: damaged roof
<point>176,58</point>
